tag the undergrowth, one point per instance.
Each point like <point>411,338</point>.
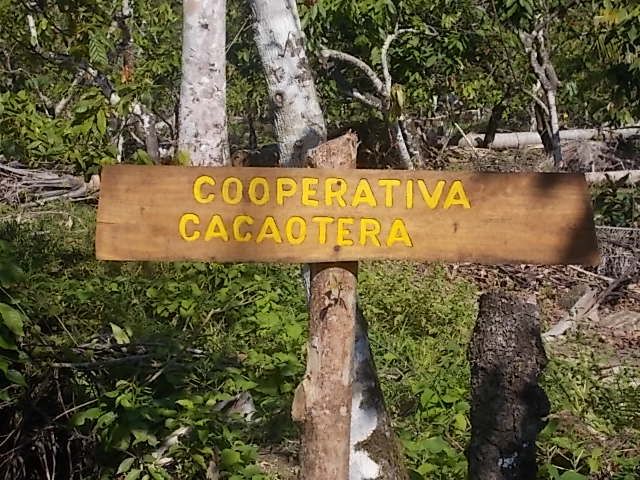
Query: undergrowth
<point>151,370</point>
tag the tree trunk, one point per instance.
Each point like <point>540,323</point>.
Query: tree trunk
<point>300,126</point>
<point>534,44</point>
<point>299,123</point>
<point>147,125</point>
<point>494,123</point>
<point>544,130</point>
<point>507,404</point>
<point>151,136</point>
<point>555,129</point>
<point>396,134</point>
<point>203,124</point>
<point>326,389</point>
<point>375,451</point>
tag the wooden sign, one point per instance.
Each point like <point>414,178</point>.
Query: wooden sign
<point>324,215</point>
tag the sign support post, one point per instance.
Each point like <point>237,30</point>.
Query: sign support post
<point>323,399</point>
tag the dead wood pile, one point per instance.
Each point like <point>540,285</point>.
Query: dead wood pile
<point>28,187</point>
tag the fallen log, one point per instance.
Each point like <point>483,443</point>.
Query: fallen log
<point>525,139</point>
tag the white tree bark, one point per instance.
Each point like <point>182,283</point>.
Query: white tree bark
<point>631,177</point>
<point>299,123</point>
<point>525,139</point>
<point>299,126</point>
<point>535,47</point>
<point>203,123</point>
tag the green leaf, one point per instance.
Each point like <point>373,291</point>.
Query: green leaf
<point>125,465</point>
<point>101,122</point>
<point>133,474</point>
<point>91,414</point>
<point>4,364</point>
<point>7,343</point>
<point>188,404</point>
<point>119,334</point>
<point>144,436</point>
<point>183,158</point>
<point>435,444</point>
<point>294,330</point>
<point>16,377</point>
<point>460,422</point>
<point>98,49</point>
<point>199,459</point>
<point>571,475</point>
<point>229,457</point>
<point>427,468</point>
<point>156,473</point>
<point>12,319</point>
<point>141,157</point>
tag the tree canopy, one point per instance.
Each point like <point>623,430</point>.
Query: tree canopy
<point>73,71</point>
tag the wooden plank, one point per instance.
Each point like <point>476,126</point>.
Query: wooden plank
<point>343,215</point>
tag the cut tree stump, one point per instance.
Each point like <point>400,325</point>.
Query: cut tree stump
<point>507,404</point>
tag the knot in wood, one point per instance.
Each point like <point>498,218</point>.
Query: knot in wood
<point>278,99</point>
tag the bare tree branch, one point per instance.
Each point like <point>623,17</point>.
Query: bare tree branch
<point>367,99</point>
<point>356,62</point>
<point>62,104</point>
<point>99,364</point>
<point>32,30</point>
<point>384,55</point>
<point>537,99</point>
<point>244,27</point>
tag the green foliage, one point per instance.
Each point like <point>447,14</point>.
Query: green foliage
<point>617,46</point>
<point>425,64</point>
<point>12,322</point>
<point>164,346</point>
<point>78,57</point>
<point>423,370</point>
<point>474,54</point>
<point>580,440</point>
<point>35,138</point>
<point>616,205</point>
<point>147,354</point>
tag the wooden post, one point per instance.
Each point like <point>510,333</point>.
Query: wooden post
<point>507,404</point>
<point>323,399</point>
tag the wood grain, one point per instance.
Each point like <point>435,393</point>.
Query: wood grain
<point>541,218</point>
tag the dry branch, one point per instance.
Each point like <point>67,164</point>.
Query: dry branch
<point>30,187</point>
